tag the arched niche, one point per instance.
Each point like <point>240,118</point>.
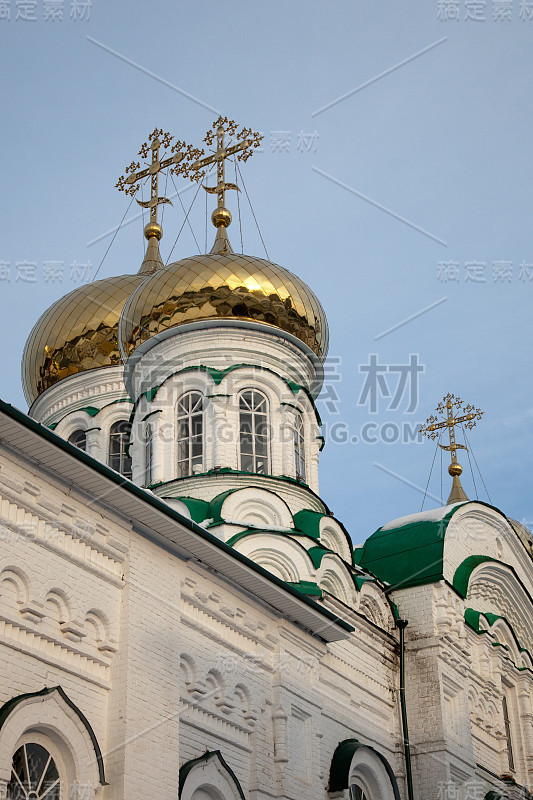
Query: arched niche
<point>209,778</point>
<point>355,764</point>
<point>50,719</point>
<point>259,507</point>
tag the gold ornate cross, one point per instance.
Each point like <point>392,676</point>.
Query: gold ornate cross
<point>432,428</point>
<point>131,181</point>
<point>247,140</point>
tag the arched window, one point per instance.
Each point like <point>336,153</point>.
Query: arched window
<point>148,455</point>
<point>34,775</point>
<point>299,451</point>
<point>119,437</point>
<point>190,434</point>
<point>358,793</point>
<point>253,431</point>
<point>78,439</point>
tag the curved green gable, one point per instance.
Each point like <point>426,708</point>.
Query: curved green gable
<point>409,553</point>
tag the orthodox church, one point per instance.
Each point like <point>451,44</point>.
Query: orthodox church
<point>181,616</point>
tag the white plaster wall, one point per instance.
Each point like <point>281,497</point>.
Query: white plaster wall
<point>275,700</point>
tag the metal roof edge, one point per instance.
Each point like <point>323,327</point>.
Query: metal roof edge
<point>235,567</point>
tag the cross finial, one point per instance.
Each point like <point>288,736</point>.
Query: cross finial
<point>159,161</point>
<point>448,407</point>
<point>245,140</point>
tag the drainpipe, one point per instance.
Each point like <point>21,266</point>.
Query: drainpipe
<point>402,624</point>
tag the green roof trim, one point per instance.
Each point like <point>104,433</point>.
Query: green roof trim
<point>339,772</point>
<point>407,555</point>
<point>218,376</point>
<point>215,506</point>
<point>158,504</point>
<point>241,535</point>
<point>359,580</point>
<point>90,410</point>
<point>308,522</point>
<point>409,551</point>
<point>151,414</point>
<point>316,554</point>
<point>198,509</point>
<point>306,587</point>
<point>463,572</point>
<point>11,705</point>
<point>231,471</point>
<point>472,618</point>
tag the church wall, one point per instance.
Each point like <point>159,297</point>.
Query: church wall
<point>273,699</point>
<point>61,566</point>
<point>144,708</point>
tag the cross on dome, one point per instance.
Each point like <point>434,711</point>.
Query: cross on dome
<point>242,149</point>
<point>432,428</point>
<point>134,175</point>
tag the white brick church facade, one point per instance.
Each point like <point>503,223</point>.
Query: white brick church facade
<point>200,626</point>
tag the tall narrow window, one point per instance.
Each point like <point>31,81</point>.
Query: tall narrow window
<point>507,727</point>
<point>253,431</point>
<point>119,437</point>
<point>190,434</point>
<point>34,775</point>
<point>78,439</point>
<point>148,455</point>
<point>299,451</point>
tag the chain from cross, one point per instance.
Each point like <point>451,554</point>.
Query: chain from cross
<point>247,140</point>
<point>179,164</point>
<point>470,416</point>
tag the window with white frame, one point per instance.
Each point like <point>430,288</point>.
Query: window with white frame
<point>299,446</point>
<point>148,455</point>
<point>358,793</point>
<point>34,775</point>
<point>119,438</point>
<point>253,432</point>
<point>190,421</point>
<point>78,439</point>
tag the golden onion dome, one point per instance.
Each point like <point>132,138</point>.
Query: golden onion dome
<point>77,333</point>
<point>223,286</point>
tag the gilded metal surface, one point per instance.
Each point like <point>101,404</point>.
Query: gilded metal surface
<point>178,163</point>
<point>247,139</point>
<point>223,286</point>
<point>77,333</point>
<point>433,427</point>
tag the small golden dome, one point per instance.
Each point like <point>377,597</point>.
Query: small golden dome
<point>77,333</point>
<point>223,286</point>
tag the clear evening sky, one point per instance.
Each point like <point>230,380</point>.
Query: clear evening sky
<point>395,178</point>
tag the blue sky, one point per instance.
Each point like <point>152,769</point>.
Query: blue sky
<point>391,203</point>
